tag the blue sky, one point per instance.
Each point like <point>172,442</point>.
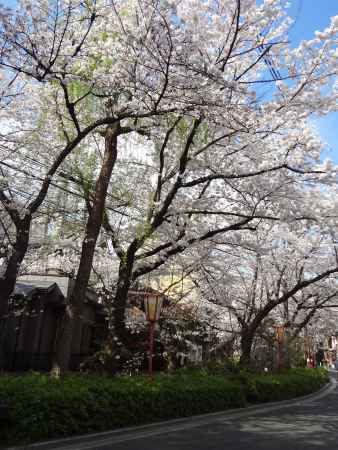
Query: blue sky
<point>312,15</point>
<point>309,15</point>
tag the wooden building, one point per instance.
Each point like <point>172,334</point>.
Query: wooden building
<point>34,322</point>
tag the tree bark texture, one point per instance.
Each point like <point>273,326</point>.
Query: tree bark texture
<point>247,338</point>
<point>95,217</point>
<point>7,282</point>
<point>121,296</point>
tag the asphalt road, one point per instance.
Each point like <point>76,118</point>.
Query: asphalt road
<point>305,425</point>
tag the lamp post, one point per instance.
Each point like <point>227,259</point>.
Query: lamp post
<point>152,304</point>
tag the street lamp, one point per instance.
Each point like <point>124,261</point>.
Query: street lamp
<point>152,304</point>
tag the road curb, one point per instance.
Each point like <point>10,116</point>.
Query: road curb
<point>91,441</point>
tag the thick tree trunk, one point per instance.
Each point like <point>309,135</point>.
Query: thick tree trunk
<point>63,345</point>
<point>121,298</point>
<point>8,280</point>
<point>247,338</point>
<point>286,358</point>
<point>93,226</point>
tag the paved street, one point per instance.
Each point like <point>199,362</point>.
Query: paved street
<point>306,425</point>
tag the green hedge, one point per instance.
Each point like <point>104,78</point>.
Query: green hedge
<point>287,385</point>
<point>42,408</point>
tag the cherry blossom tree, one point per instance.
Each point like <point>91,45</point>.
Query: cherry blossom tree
<point>285,274</point>
<point>221,155</point>
<point>165,213</point>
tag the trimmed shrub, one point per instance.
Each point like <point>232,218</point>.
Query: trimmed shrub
<point>42,408</point>
<point>282,386</point>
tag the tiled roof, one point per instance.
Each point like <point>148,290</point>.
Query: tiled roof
<point>27,290</point>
